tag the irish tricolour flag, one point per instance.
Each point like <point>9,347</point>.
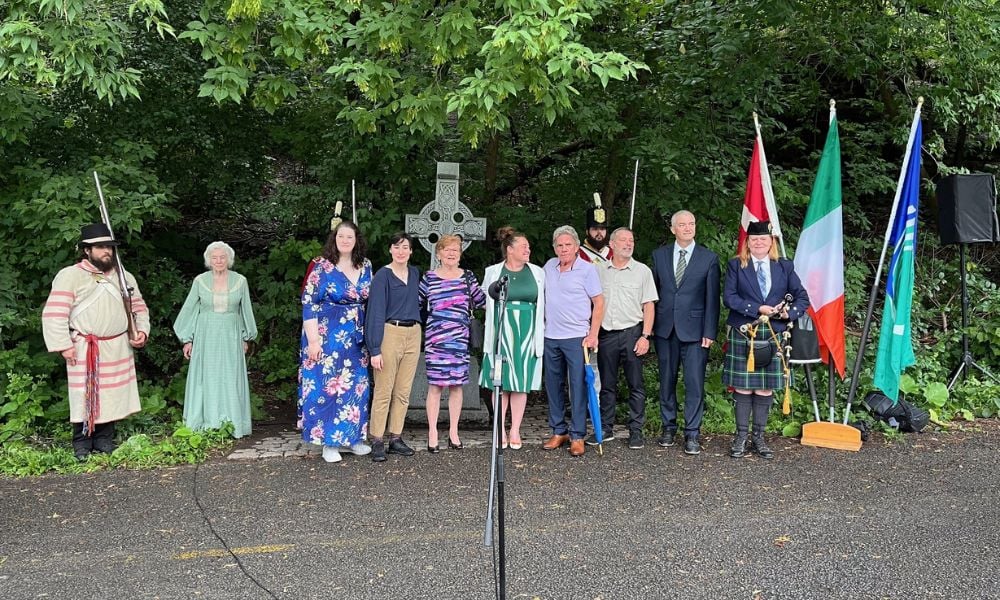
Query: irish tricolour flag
<point>819,257</point>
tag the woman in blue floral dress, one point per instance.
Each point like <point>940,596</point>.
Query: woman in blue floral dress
<point>333,372</point>
<point>450,294</point>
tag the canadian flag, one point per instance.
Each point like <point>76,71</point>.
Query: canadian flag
<point>758,202</point>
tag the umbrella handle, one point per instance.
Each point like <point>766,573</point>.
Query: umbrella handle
<point>586,355</point>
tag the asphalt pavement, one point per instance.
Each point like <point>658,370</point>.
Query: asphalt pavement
<point>915,518</point>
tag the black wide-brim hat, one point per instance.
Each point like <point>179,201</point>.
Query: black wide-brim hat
<point>759,228</point>
<point>96,234</point>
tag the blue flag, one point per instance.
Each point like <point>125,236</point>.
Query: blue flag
<point>895,346</point>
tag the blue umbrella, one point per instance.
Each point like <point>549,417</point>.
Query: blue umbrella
<point>593,404</point>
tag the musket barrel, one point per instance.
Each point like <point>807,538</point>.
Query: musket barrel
<point>126,291</point>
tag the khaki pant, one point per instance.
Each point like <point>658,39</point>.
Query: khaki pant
<point>400,351</point>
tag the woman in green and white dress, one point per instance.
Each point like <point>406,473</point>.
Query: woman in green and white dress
<point>522,332</point>
<point>215,324</point>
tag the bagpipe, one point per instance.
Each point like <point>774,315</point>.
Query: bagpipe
<point>760,352</point>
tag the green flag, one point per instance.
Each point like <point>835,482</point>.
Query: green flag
<point>895,347</point>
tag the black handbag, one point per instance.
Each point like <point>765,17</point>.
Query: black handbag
<point>477,332</point>
<point>905,415</point>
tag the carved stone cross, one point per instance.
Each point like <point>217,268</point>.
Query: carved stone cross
<point>445,215</point>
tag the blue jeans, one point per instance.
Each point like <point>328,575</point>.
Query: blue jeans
<point>562,358</point>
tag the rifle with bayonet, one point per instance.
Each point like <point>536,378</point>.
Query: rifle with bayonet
<point>133,331</point>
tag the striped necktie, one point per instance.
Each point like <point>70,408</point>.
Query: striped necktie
<point>761,279</point>
<point>682,264</point>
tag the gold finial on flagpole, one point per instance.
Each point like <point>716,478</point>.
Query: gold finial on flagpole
<point>337,219</point>
<point>833,103</point>
<point>920,101</point>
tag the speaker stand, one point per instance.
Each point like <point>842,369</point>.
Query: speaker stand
<point>967,361</point>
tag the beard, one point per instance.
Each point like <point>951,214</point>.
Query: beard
<point>103,264</point>
<point>595,243</point>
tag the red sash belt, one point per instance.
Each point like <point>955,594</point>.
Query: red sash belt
<point>92,394</point>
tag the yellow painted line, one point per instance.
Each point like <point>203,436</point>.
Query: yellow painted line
<point>219,553</point>
<point>342,543</point>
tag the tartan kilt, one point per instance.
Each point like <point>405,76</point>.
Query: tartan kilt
<point>735,374</point>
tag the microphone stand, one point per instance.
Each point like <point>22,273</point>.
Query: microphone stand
<point>496,461</point>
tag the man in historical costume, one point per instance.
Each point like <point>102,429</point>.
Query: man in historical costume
<point>85,320</point>
<point>686,324</point>
<point>627,327</point>
<point>595,248</point>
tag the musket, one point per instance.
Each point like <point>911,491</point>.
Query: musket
<point>133,332</point>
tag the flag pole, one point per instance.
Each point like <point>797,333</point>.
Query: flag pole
<point>765,183</point>
<point>878,272</point>
<point>635,182</point>
<point>354,205</point>
<point>831,384</point>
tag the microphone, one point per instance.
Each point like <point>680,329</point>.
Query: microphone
<point>498,287</point>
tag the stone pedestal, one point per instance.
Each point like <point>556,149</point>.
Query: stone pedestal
<point>446,214</point>
<point>473,409</point>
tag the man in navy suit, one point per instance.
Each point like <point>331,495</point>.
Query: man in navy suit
<point>687,320</point>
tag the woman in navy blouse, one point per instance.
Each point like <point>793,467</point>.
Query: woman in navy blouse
<point>392,334</point>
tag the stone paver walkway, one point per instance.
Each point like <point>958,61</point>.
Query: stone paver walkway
<point>534,430</point>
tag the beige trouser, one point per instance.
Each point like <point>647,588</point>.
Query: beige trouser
<point>400,351</point>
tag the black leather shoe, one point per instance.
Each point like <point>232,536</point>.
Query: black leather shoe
<point>691,445</point>
<point>453,446</point>
<point>761,448</point>
<point>635,440</point>
<point>378,451</point>
<point>739,447</point>
<point>81,454</point>
<point>398,446</point>
<point>666,440</point>
<point>432,449</point>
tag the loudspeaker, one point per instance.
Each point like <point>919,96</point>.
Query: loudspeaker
<point>967,209</point>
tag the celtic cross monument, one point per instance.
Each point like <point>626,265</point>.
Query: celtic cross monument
<point>445,214</point>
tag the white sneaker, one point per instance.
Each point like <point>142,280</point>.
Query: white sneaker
<point>331,454</point>
<point>358,449</point>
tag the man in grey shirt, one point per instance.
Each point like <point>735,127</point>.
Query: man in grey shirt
<point>626,329</point>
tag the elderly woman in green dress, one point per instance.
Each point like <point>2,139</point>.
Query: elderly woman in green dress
<point>215,324</point>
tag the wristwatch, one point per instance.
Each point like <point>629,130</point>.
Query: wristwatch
<point>646,336</point>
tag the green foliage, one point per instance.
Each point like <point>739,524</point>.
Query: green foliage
<point>48,45</point>
<point>408,65</point>
<point>20,408</point>
<point>975,398</point>
<point>251,125</point>
<point>27,395</point>
<point>138,451</point>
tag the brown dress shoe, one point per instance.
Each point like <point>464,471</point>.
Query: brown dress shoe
<point>576,447</point>
<point>555,441</point>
